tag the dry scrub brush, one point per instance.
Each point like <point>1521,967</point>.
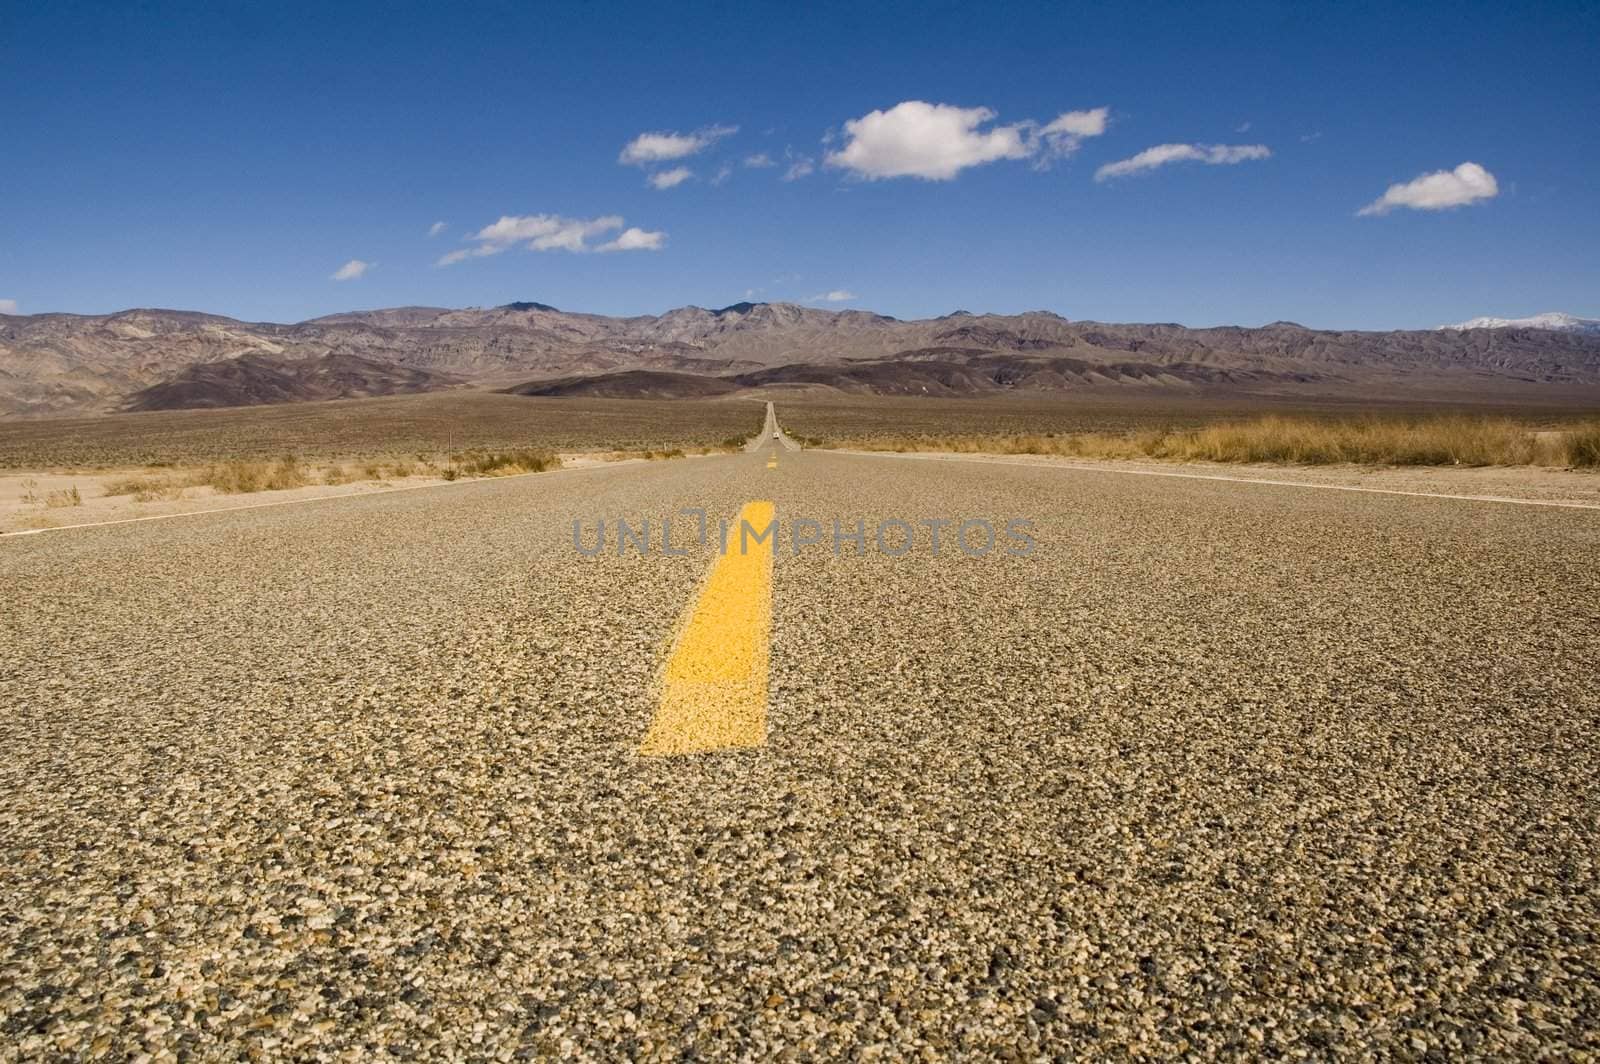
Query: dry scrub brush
<point>1434,441</point>
<point>237,478</point>
<point>500,463</point>
<point>227,478</point>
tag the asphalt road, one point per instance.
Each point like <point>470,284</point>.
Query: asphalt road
<point>1221,769</point>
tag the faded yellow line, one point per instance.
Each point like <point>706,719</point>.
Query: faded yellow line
<point>714,685</point>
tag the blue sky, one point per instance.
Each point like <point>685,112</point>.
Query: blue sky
<point>233,158</point>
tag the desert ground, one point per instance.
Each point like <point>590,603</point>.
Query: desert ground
<point>835,417</point>
<point>383,428</point>
<point>68,471</point>
<point>60,472</point>
<point>1245,767</point>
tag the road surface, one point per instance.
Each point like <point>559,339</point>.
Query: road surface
<point>1227,769</point>
<point>770,432</point>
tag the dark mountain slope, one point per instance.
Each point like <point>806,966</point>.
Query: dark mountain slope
<point>944,372</point>
<point>256,379</point>
<point>630,384</point>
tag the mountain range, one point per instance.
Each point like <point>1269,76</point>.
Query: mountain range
<point>57,364</point>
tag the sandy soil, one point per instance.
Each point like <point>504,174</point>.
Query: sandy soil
<point>42,500</point>
<point>36,500</point>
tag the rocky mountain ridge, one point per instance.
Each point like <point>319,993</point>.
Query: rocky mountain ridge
<point>73,364</point>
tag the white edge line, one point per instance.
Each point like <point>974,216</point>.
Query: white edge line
<point>325,498</point>
<point>1506,499</point>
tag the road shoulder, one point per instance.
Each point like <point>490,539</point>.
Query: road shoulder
<point>1517,484</point>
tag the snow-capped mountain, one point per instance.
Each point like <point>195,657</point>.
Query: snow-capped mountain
<point>1553,320</point>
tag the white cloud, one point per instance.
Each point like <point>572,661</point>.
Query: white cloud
<point>1440,190</point>
<point>936,141</point>
<point>436,228</point>
<point>1163,154</point>
<point>660,147</point>
<point>724,172</point>
<point>759,161</point>
<point>671,178</point>
<point>838,295</point>
<point>933,141</point>
<point>551,232</point>
<point>1242,127</point>
<point>635,239</point>
<point>547,232</point>
<point>1070,129</point>
<point>352,270</point>
<point>8,306</point>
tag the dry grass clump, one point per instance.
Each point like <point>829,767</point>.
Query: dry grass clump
<point>1369,441</point>
<point>500,463</point>
<point>238,478</point>
<point>395,470</point>
<point>1415,441</point>
<point>1583,446</point>
<point>241,477</point>
<point>661,455</point>
<point>52,500</point>
<point>145,488</point>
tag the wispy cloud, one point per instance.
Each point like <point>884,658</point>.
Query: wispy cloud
<point>671,178</point>
<point>1166,154</point>
<point>1066,133</point>
<point>352,270</point>
<point>552,232</point>
<point>8,306</point>
<point>1438,191</point>
<point>436,228</point>
<point>838,295</point>
<point>936,141</point>
<point>759,161</point>
<point>635,239</point>
<point>662,147</point>
<point>724,172</point>
<point>800,166</point>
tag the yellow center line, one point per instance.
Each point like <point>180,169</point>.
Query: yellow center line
<point>714,684</point>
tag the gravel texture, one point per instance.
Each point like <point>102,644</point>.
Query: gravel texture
<point>1220,771</point>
